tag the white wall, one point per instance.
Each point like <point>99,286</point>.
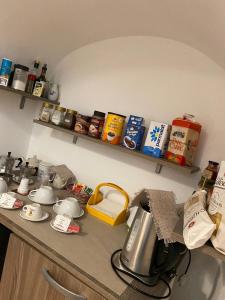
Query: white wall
<point>15,124</point>
<point>152,77</point>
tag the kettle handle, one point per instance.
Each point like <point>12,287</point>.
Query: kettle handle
<point>112,185</point>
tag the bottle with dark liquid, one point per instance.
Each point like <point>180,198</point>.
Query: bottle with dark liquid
<point>43,74</point>
<point>39,87</point>
<point>32,78</point>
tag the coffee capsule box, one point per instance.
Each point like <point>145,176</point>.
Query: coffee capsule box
<point>157,139</point>
<point>133,137</point>
<point>134,133</point>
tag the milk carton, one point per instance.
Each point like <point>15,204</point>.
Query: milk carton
<point>157,139</point>
<point>216,210</point>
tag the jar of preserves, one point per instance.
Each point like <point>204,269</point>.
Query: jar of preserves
<point>209,175</point>
<point>82,124</point>
<point>69,119</point>
<point>58,115</point>
<point>113,128</point>
<point>46,112</point>
<point>96,124</point>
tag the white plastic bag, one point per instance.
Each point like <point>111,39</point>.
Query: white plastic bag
<point>198,227</point>
<point>217,210</point>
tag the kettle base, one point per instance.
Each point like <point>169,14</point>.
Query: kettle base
<point>118,266</point>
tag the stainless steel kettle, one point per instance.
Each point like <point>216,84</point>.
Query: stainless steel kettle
<point>139,246</point>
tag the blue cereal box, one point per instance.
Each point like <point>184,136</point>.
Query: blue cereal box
<point>157,139</point>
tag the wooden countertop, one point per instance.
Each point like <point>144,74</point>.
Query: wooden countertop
<point>85,255</point>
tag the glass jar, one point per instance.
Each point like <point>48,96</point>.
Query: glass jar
<point>96,125</point>
<point>46,112</point>
<point>82,124</point>
<point>20,77</point>
<point>209,175</point>
<point>58,115</point>
<point>69,119</point>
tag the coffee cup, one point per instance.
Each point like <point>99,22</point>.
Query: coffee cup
<point>110,136</point>
<point>43,195</point>
<point>33,211</point>
<point>69,206</point>
<point>3,186</point>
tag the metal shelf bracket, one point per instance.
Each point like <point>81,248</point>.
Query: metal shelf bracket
<point>75,139</point>
<point>158,168</point>
<point>22,102</point>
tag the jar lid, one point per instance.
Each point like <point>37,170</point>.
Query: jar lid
<point>59,108</point>
<point>48,105</point>
<point>112,113</point>
<point>99,114</point>
<point>213,163</point>
<point>71,111</point>
<point>22,67</point>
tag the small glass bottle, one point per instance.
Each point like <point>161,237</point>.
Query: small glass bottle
<point>46,112</point>
<point>58,115</point>
<point>32,78</point>
<point>69,119</point>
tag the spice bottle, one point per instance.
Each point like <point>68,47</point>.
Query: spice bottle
<point>96,125</point>
<point>46,112</point>
<point>58,115</point>
<point>69,119</point>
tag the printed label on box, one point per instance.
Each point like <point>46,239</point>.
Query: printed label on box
<point>157,139</point>
<point>62,222</point>
<point>7,200</point>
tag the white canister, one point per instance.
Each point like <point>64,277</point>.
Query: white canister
<point>53,92</point>
<point>20,77</point>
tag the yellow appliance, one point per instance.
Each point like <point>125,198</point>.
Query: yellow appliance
<point>94,203</point>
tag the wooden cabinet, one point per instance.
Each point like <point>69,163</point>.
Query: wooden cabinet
<point>29,275</point>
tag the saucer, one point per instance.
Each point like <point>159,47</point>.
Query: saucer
<point>53,227</point>
<point>80,215</point>
<point>25,217</point>
<point>32,199</point>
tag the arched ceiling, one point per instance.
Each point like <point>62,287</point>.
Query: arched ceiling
<point>50,29</point>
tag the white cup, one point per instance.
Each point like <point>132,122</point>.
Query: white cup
<point>69,206</point>
<point>33,211</point>
<point>43,195</point>
<point>23,187</point>
<point>3,186</point>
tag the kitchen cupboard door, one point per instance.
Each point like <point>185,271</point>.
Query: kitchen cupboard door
<point>29,275</point>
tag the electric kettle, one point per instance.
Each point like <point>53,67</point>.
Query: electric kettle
<point>144,257</point>
<point>139,245</point>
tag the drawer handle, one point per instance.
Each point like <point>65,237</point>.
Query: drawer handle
<point>61,289</point>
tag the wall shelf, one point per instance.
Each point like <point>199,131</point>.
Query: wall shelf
<point>25,96</point>
<point>160,162</point>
